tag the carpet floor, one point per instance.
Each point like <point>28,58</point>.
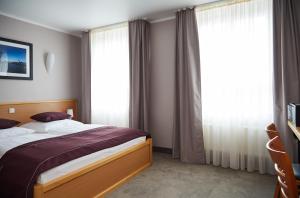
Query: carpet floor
<point>171,178</point>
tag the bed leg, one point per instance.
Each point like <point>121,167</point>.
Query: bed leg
<point>38,191</point>
<point>150,149</point>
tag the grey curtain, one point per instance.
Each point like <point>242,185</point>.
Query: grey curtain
<point>286,64</point>
<point>187,135</point>
<point>86,78</point>
<point>139,56</point>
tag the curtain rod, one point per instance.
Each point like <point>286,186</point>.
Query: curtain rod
<point>201,7</point>
<point>107,27</point>
<point>114,25</point>
<point>218,4</point>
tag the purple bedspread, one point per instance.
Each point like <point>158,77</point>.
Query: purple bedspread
<point>21,166</point>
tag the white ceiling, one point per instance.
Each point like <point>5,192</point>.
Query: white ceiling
<point>74,16</point>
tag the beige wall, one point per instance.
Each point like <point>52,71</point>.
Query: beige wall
<point>162,82</point>
<point>62,83</point>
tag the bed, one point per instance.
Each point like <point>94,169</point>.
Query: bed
<point>91,177</point>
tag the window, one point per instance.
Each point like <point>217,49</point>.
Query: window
<point>236,83</point>
<point>110,75</point>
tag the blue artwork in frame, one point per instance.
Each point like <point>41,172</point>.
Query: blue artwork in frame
<point>15,60</point>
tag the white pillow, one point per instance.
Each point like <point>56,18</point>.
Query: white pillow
<point>14,131</point>
<point>54,126</point>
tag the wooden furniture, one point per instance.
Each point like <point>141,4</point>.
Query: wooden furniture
<point>272,131</point>
<point>296,130</point>
<point>283,168</point>
<point>26,109</point>
<point>99,178</point>
<point>94,180</point>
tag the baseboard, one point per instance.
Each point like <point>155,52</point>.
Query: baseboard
<point>162,150</point>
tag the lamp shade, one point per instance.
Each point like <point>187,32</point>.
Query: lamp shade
<point>70,112</point>
<point>50,60</point>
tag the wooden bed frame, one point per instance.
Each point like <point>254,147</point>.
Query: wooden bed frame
<point>94,180</point>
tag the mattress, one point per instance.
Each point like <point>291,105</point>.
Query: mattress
<point>86,160</point>
<point>7,143</point>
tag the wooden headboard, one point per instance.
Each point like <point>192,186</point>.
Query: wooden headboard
<point>23,110</point>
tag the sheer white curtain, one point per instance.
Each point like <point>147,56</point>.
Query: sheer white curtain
<point>110,75</point>
<point>236,81</point>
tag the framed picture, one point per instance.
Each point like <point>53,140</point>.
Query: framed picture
<point>15,60</point>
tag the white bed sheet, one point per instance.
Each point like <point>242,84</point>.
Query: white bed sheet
<point>85,160</point>
<point>14,141</point>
